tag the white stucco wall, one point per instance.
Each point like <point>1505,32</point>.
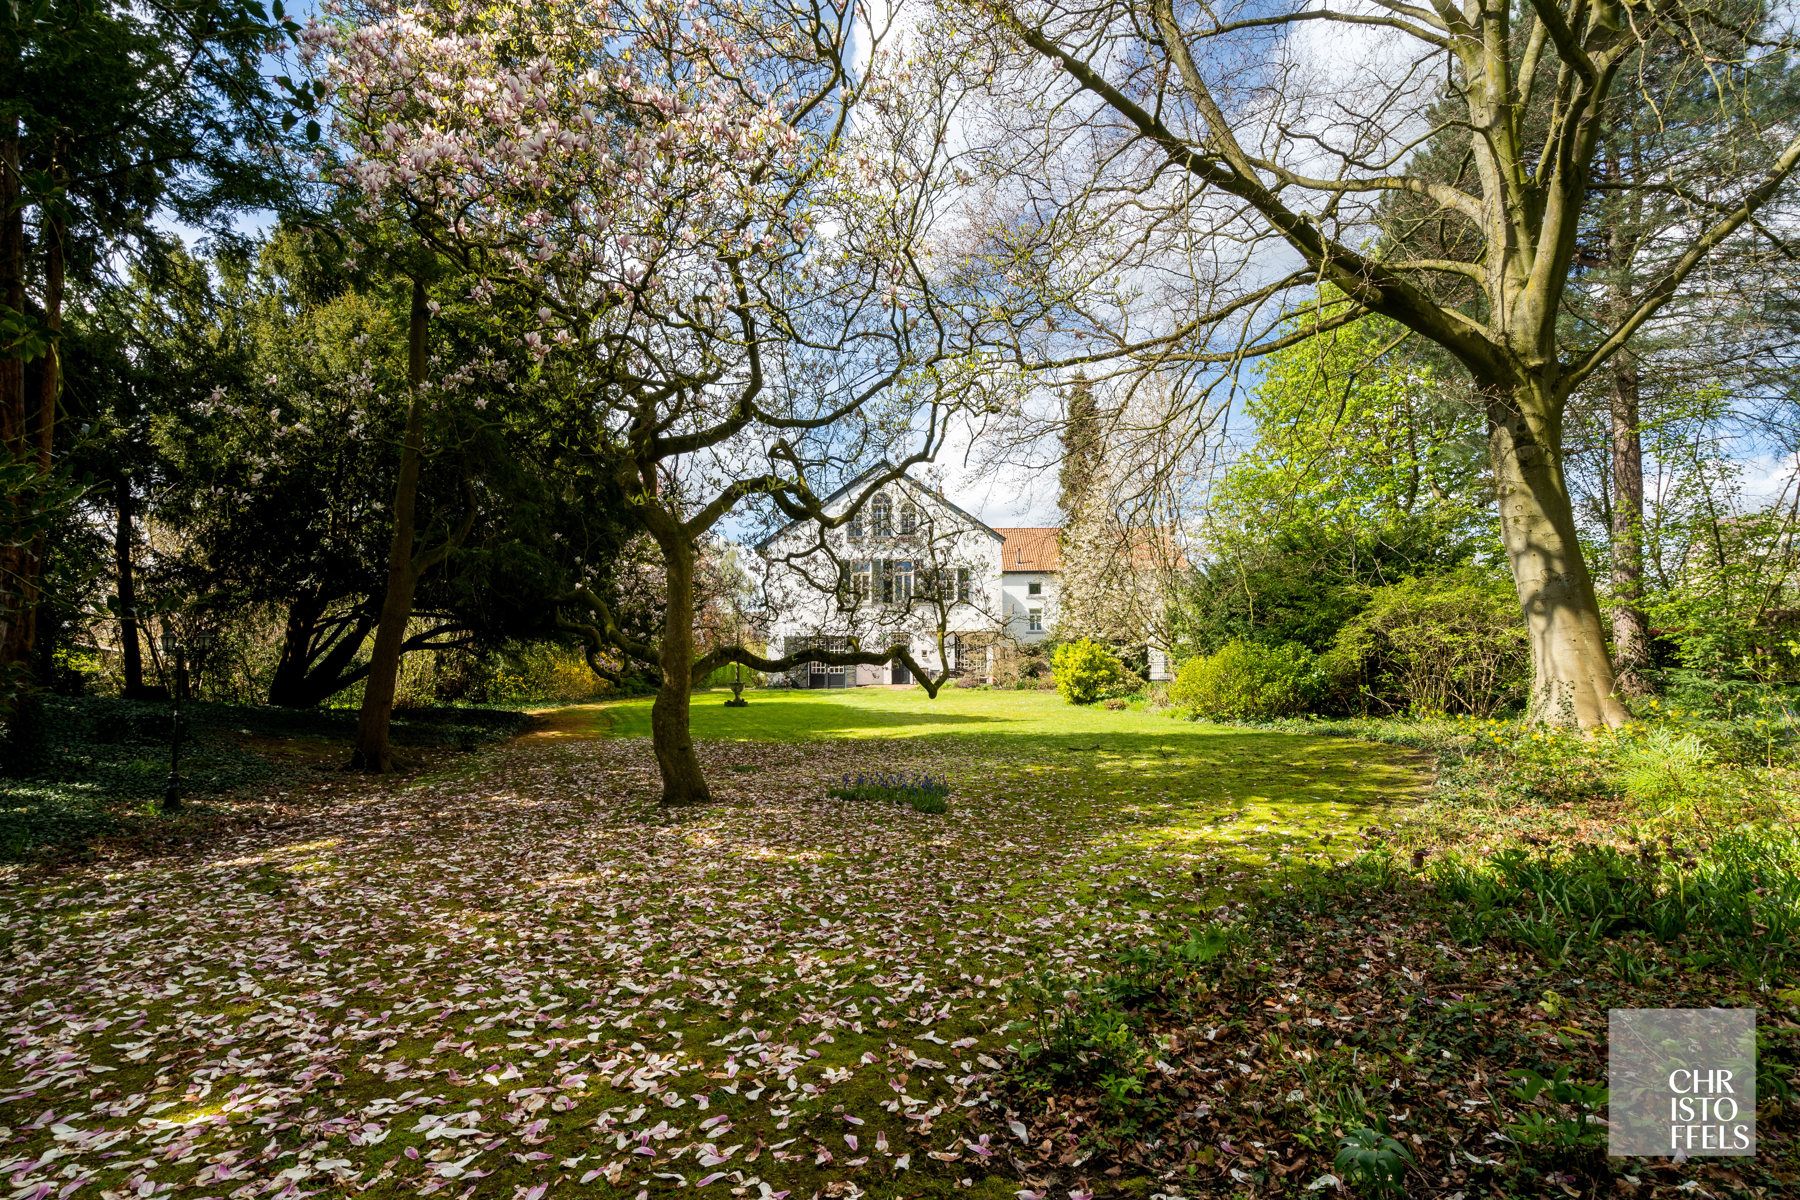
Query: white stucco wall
<point>1017,603</point>
<point>800,581</point>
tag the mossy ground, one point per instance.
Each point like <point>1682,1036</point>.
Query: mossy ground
<point>522,978</point>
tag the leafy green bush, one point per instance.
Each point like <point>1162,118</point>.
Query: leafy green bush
<point>1715,614</point>
<point>1738,899</point>
<point>1248,680</point>
<point>1662,766</point>
<point>722,676</point>
<point>1443,643</point>
<point>1086,671</point>
<point>518,672</point>
<point>1736,697</point>
<point>1672,773</point>
<point>1074,1035</point>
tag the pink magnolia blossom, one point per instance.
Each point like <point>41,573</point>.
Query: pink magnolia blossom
<point>638,165</point>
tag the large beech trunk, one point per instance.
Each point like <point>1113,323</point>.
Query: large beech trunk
<point>372,752</point>
<point>1571,675</point>
<point>1631,628</point>
<point>683,781</point>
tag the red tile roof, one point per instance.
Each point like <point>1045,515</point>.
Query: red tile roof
<point>1033,548</point>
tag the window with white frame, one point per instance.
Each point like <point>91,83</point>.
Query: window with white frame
<point>909,519</point>
<point>1034,619</point>
<point>896,580</point>
<point>948,584</point>
<point>881,516</point>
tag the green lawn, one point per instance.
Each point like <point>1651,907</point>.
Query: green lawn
<point>522,979</point>
<point>782,715</point>
<point>1252,794</point>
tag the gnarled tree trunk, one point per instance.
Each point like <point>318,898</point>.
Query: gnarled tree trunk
<point>316,655</point>
<point>683,781</point>
<point>1572,677</point>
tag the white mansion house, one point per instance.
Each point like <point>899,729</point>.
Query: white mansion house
<point>912,566</point>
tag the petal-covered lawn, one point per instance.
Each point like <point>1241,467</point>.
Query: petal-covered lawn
<point>523,978</point>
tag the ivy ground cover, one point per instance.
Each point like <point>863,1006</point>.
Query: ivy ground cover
<point>521,979</point>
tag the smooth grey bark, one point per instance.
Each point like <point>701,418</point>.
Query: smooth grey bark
<point>1572,678</point>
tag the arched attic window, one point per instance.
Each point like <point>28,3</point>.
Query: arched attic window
<point>881,515</point>
<point>859,524</point>
<point>909,519</point>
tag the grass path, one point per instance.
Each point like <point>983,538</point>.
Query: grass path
<point>522,978</point>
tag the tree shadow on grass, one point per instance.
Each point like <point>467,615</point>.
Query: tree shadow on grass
<point>1194,796</point>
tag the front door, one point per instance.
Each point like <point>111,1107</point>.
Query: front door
<point>900,674</point>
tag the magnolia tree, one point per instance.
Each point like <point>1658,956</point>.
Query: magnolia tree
<point>707,222</point>
<point>1215,164</point>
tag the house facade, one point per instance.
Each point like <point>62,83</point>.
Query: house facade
<point>908,567</point>
<point>1030,564</point>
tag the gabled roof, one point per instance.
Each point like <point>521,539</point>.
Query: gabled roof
<point>1031,548</point>
<point>858,480</point>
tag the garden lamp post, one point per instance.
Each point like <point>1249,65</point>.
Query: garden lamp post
<point>175,652</point>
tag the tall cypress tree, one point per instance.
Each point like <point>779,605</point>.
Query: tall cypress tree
<point>1082,444</point>
<point>1098,593</point>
